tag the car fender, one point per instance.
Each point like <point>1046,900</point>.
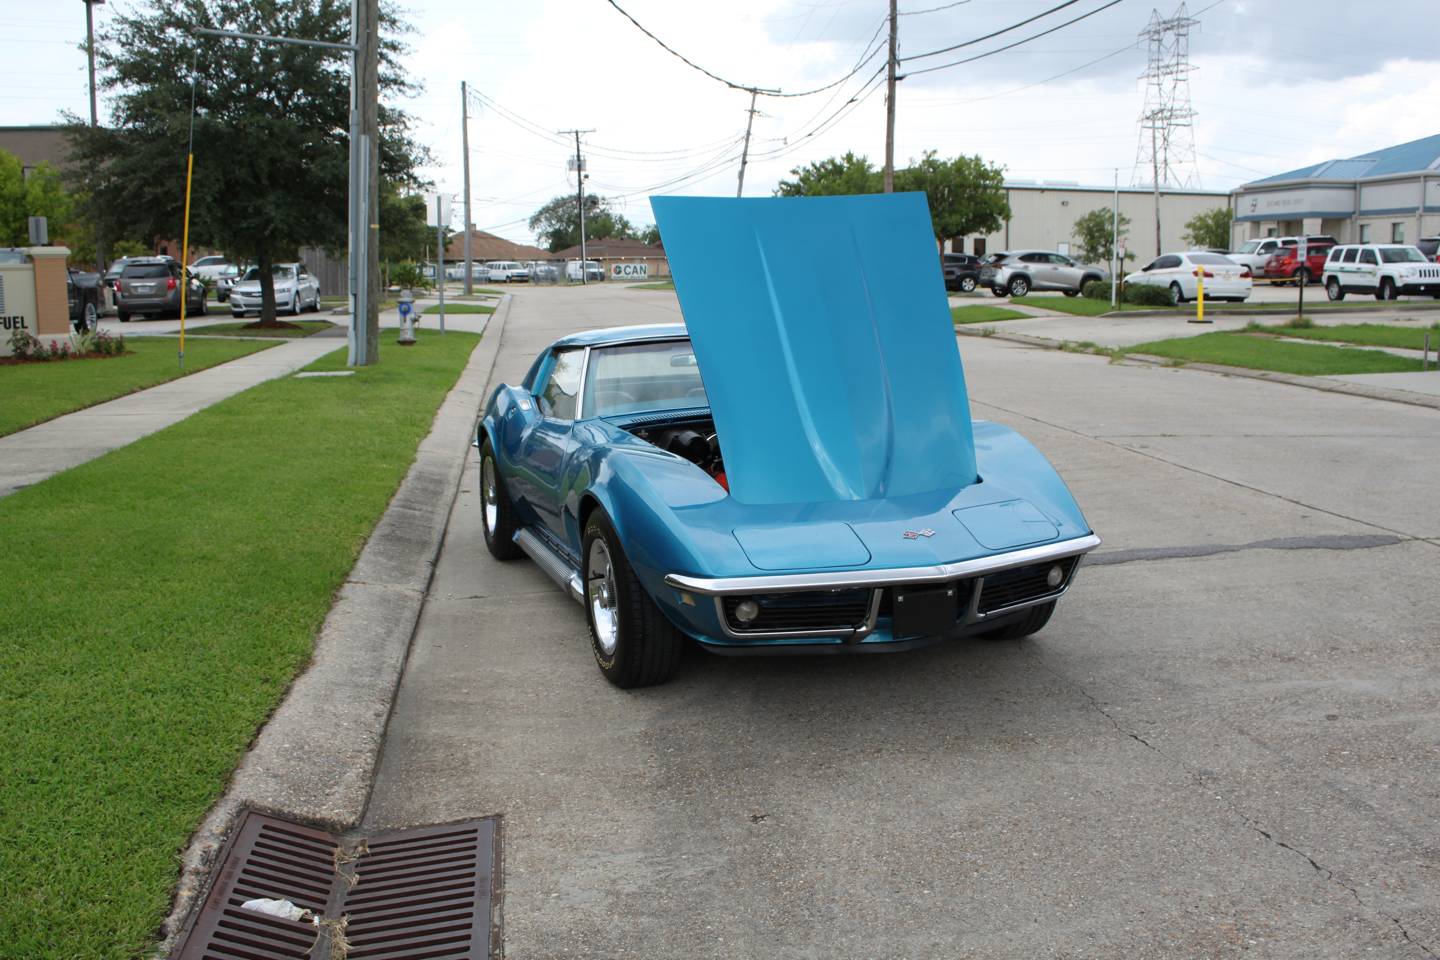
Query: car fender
<point>1015,462</point>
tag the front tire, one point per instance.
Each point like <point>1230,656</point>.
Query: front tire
<point>122,316</point>
<point>91,318</point>
<point>633,642</point>
<point>497,513</point>
<point>1019,287</point>
<point>1333,290</point>
<point>1386,290</point>
<point>1034,619</point>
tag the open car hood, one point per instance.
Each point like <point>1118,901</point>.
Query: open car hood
<point>824,339</point>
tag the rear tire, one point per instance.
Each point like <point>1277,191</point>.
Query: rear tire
<point>497,513</point>
<point>123,316</point>
<point>1333,290</point>
<point>633,642</point>
<point>967,284</point>
<point>1072,293</point>
<point>1034,619</point>
<point>90,317</point>
<point>1177,295</point>
<point>1019,287</point>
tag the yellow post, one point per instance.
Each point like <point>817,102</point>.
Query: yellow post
<point>185,256</point>
<point>1199,296</point>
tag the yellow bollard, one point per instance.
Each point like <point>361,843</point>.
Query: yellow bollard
<point>1199,297</point>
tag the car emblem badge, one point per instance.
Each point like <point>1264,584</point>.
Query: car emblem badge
<point>917,534</point>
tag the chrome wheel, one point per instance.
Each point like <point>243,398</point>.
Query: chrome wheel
<point>601,595</point>
<point>487,495</point>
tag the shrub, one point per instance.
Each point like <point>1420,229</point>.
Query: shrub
<point>1146,295</point>
<point>408,276</point>
<point>1096,290</point>
<point>26,346</point>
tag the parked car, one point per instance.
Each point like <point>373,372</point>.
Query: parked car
<point>82,291</point>
<point>1017,272</point>
<point>1255,253</point>
<point>542,272</point>
<point>210,268</point>
<point>296,290</point>
<point>643,470</point>
<point>1430,247</point>
<point>507,271</point>
<point>961,270</point>
<point>1384,269</point>
<point>225,280</point>
<point>592,271</point>
<point>107,284</point>
<point>1285,263</point>
<point>150,286</point>
<point>1182,273</point>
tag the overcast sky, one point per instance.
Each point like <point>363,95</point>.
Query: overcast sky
<point>1271,92</point>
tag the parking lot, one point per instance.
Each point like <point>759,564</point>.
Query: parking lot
<point>1223,744</point>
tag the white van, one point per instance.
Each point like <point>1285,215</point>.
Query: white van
<point>507,271</point>
<point>593,271</point>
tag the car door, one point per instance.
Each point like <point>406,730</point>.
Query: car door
<point>1067,272</point>
<point>547,441</point>
<point>1367,270</point>
<point>1037,265</point>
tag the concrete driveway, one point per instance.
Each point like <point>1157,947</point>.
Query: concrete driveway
<point>1224,744</point>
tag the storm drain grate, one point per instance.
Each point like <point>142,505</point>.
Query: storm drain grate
<point>425,892</point>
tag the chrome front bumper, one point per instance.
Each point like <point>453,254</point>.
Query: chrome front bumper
<point>877,580</point>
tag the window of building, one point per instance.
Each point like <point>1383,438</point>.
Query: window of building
<point>1397,232</point>
<point>1364,233</point>
<point>1269,231</point>
<point>979,246</point>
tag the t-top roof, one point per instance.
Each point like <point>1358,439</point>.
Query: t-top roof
<point>1413,157</point>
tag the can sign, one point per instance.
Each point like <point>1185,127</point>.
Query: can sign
<point>630,271</point>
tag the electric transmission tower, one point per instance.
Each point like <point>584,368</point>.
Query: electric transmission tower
<point>1167,141</point>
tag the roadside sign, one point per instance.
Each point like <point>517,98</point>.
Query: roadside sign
<point>629,271</point>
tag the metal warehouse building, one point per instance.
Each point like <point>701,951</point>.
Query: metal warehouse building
<point>1043,215</point>
<point>1387,196</point>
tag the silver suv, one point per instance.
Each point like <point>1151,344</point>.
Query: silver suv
<point>1016,272</point>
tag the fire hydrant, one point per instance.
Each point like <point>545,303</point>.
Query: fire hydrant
<point>406,304</point>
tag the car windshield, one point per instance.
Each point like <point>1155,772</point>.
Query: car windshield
<point>1249,246</point>
<point>278,272</point>
<point>1401,255</point>
<point>643,376</point>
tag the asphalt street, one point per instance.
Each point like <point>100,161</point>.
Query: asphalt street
<point>1226,743</point>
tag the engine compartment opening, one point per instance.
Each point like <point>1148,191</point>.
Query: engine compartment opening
<point>692,438</point>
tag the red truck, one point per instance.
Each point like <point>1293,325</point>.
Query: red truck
<point>1285,266</point>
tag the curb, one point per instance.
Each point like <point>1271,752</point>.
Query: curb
<point>1290,379</point>
<point>315,757</point>
<point>1321,307</point>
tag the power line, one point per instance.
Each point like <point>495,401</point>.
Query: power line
<point>1012,46</point>
<point>947,6</point>
<point>1005,93</point>
<point>988,36</point>
<point>747,87</point>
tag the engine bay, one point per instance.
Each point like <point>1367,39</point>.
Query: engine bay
<point>694,439</point>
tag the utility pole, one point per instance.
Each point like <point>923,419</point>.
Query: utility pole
<point>745,151</point>
<point>1115,244</point>
<point>465,147</point>
<point>890,105</point>
<point>94,113</point>
<point>1155,182</point>
<point>580,195</point>
<point>365,291</point>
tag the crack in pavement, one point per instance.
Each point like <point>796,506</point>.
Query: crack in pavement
<point>1248,821</point>
<point>1342,541</point>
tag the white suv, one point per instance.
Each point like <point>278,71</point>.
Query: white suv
<point>1384,269</point>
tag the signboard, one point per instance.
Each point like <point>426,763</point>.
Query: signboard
<point>17,302</point>
<point>437,209</point>
<point>630,271</point>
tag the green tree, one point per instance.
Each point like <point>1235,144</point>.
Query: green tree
<point>1093,232</point>
<point>270,127</point>
<point>42,194</point>
<point>557,224</point>
<point>650,235</point>
<point>833,176</point>
<point>1210,229</point>
<point>966,194</point>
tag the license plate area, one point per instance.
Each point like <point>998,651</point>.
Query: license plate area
<point>925,611</point>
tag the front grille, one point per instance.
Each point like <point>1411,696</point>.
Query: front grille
<point>1019,584</point>
<point>840,610</point>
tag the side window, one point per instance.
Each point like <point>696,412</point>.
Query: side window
<point>1335,255</point>
<point>1350,255</point>
<point>1167,263</point>
<point>561,397</point>
<point>1032,258</point>
<point>1368,256</point>
<point>1153,265</point>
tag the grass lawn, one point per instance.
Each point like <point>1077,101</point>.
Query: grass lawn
<point>1078,306</point>
<point>663,285</point>
<point>460,308</point>
<point>982,313</point>
<point>242,328</point>
<point>1262,353</point>
<point>1369,334</point>
<point>35,392</point>
<point>166,595</point>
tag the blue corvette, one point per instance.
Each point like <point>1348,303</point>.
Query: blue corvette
<point>794,470</point>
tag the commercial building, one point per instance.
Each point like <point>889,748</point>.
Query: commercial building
<point>1386,196</point>
<point>1043,215</point>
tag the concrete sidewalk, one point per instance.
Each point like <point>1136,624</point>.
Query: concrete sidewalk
<point>32,455</point>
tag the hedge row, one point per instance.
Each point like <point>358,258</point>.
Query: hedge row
<point>1138,294</point>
